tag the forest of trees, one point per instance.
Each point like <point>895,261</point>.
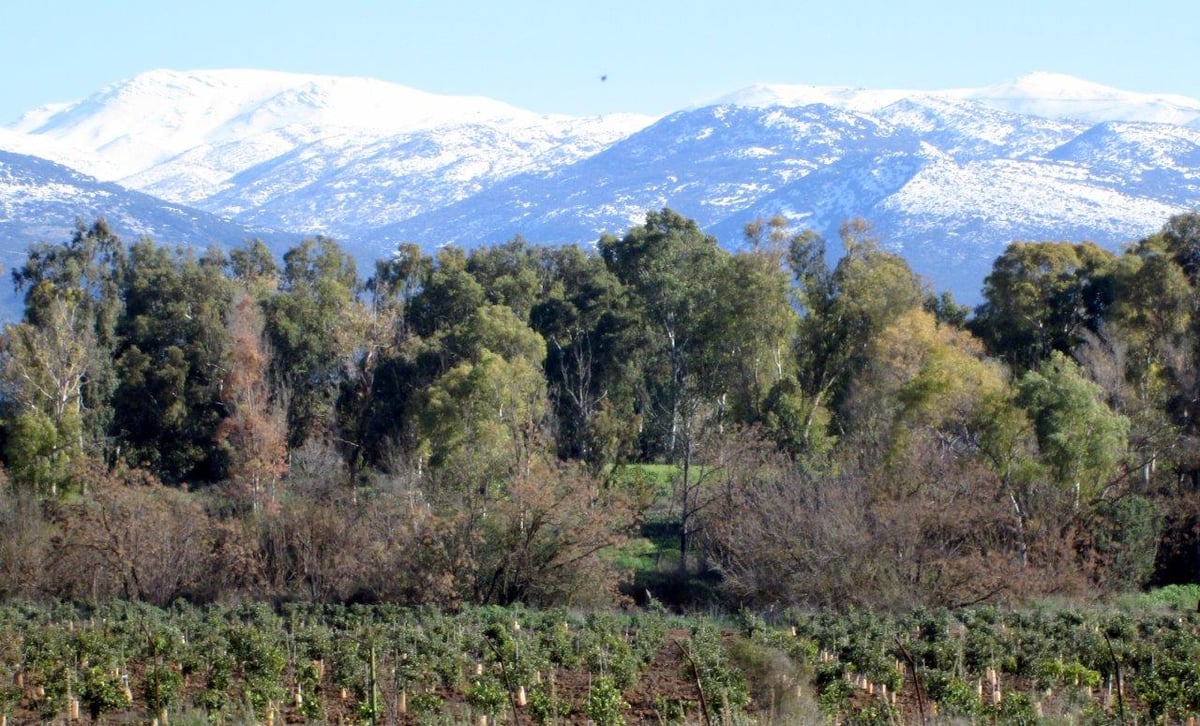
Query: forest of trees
<point>478,427</point>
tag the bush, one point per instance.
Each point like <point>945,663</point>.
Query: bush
<point>605,704</point>
<point>426,703</point>
<point>101,692</point>
<point>486,696</point>
<point>545,705</point>
<point>161,688</point>
<point>767,669</point>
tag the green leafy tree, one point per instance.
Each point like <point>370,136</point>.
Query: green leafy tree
<point>1081,439</point>
<point>479,417</point>
<point>89,267</point>
<point>44,373</point>
<point>668,267</point>
<point>254,265</point>
<point>1040,297</point>
<point>584,318</point>
<point>509,273</point>
<point>314,325</point>
<point>170,363</point>
<point>383,378</point>
<point>921,378</point>
<point>72,303</point>
<point>751,325</point>
<point>449,296</point>
<point>1155,313</point>
<point>1181,238</point>
<point>100,692</point>
<point>842,310</point>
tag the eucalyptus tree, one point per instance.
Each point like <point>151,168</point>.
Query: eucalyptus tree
<point>171,362</point>
<point>1041,297</point>
<point>1080,437</point>
<point>509,273</point>
<point>668,267</point>
<point>583,314</point>
<point>314,324</point>
<point>56,364</point>
<point>752,325</point>
<point>841,309</point>
<point>43,375</point>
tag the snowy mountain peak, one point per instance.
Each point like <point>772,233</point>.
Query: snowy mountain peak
<point>1044,84</point>
<point>766,95</point>
<point>184,135</point>
<point>1055,95</point>
<point>135,124</point>
<point>207,100</point>
<point>1048,95</point>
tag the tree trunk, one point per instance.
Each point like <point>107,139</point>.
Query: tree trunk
<point>1022,545</point>
<point>685,511</point>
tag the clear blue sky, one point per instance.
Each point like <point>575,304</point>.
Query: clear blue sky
<point>549,56</point>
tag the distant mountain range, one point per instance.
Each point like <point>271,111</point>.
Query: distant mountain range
<point>949,178</point>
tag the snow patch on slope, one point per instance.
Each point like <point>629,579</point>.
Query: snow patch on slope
<point>1015,198</point>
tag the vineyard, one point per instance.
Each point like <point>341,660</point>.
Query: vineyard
<point>130,663</point>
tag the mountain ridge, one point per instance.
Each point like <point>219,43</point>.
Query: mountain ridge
<point>949,177</point>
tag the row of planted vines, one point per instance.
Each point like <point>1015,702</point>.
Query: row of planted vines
<point>989,665</point>
<point>335,664</point>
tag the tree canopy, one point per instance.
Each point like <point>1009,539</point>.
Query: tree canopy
<point>488,425</point>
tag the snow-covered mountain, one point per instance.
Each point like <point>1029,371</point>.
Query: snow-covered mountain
<point>948,177</point>
<point>947,182</point>
<point>1053,95</point>
<point>230,140</point>
<point>1046,95</point>
<point>41,201</point>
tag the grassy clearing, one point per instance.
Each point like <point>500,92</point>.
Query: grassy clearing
<point>652,558</point>
<point>1172,598</point>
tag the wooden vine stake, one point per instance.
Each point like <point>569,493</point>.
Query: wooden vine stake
<point>699,687</point>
